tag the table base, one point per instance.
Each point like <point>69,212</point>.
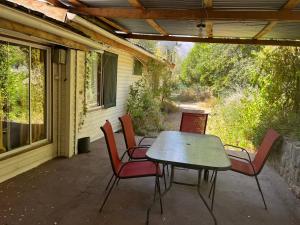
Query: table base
<point>212,191</point>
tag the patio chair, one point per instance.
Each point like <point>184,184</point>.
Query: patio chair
<point>253,167</point>
<point>126,170</point>
<point>135,151</point>
<point>193,122</point>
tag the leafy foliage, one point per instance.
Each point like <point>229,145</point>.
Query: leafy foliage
<point>144,108</point>
<point>222,68</point>
<point>257,87</point>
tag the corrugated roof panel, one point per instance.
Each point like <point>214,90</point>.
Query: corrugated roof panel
<point>246,29</point>
<point>106,3</point>
<point>172,4</point>
<point>285,30</point>
<point>180,27</point>
<point>253,4</point>
<point>137,26</point>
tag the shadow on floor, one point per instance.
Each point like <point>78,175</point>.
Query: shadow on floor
<point>69,192</point>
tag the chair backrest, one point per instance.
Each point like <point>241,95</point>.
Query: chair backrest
<point>111,147</point>
<point>193,122</point>
<point>264,149</point>
<point>128,131</point>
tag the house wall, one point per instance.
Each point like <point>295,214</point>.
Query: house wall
<point>96,117</point>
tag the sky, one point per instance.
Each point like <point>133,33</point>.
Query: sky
<point>183,47</point>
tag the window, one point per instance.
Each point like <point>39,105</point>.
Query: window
<point>137,67</point>
<point>102,79</point>
<point>23,95</point>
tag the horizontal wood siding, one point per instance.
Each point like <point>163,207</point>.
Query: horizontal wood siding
<point>25,161</point>
<point>95,118</point>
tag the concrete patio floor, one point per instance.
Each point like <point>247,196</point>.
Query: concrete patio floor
<point>69,192</point>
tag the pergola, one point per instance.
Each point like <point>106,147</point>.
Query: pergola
<point>266,22</point>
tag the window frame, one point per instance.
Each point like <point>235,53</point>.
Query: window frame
<point>133,69</point>
<point>99,103</point>
<point>49,99</point>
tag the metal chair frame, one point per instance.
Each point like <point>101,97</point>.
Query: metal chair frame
<point>116,175</point>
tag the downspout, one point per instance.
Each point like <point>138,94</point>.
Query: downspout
<point>40,24</point>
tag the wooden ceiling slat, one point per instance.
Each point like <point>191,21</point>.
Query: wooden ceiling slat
<point>289,5</point>
<point>137,4</point>
<point>189,14</point>
<point>213,40</point>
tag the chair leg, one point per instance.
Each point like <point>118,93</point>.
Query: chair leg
<point>213,184</point>
<point>107,195</point>
<point>199,177</point>
<point>262,195</point>
<point>159,193</point>
<point>109,182</point>
<point>155,187</point>
<point>164,177</point>
<point>212,176</point>
<point>118,182</point>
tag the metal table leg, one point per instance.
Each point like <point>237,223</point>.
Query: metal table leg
<point>161,195</point>
<point>206,204</point>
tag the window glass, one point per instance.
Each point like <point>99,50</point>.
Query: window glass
<point>22,95</point>
<point>92,75</point>
<point>137,67</point>
<point>110,67</point>
<point>38,94</point>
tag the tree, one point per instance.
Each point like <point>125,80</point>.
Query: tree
<point>222,68</point>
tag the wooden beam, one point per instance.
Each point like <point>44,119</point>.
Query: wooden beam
<point>189,14</point>
<point>108,41</point>
<point>212,40</point>
<point>208,23</point>
<point>137,4</point>
<point>9,25</point>
<point>115,25</point>
<point>265,30</point>
<point>290,4</point>
<point>56,3</point>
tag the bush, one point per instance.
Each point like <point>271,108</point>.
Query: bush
<point>144,108</point>
<point>244,118</point>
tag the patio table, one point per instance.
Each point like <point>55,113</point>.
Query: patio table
<point>193,151</point>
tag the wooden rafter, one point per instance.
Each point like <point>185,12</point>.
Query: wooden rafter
<point>115,25</point>
<point>137,4</point>
<point>189,14</point>
<point>213,40</point>
<point>289,5</point>
<point>208,4</point>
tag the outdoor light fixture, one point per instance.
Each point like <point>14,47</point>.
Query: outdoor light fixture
<point>201,25</point>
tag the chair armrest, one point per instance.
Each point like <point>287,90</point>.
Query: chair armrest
<point>248,160</point>
<point>145,137</point>
<point>242,149</point>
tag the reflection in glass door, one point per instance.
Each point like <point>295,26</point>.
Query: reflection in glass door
<point>23,95</point>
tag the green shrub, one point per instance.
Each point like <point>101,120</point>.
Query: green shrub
<point>144,108</point>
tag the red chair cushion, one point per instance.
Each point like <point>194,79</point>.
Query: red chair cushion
<point>139,153</point>
<point>139,169</point>
<point>241,167</point>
